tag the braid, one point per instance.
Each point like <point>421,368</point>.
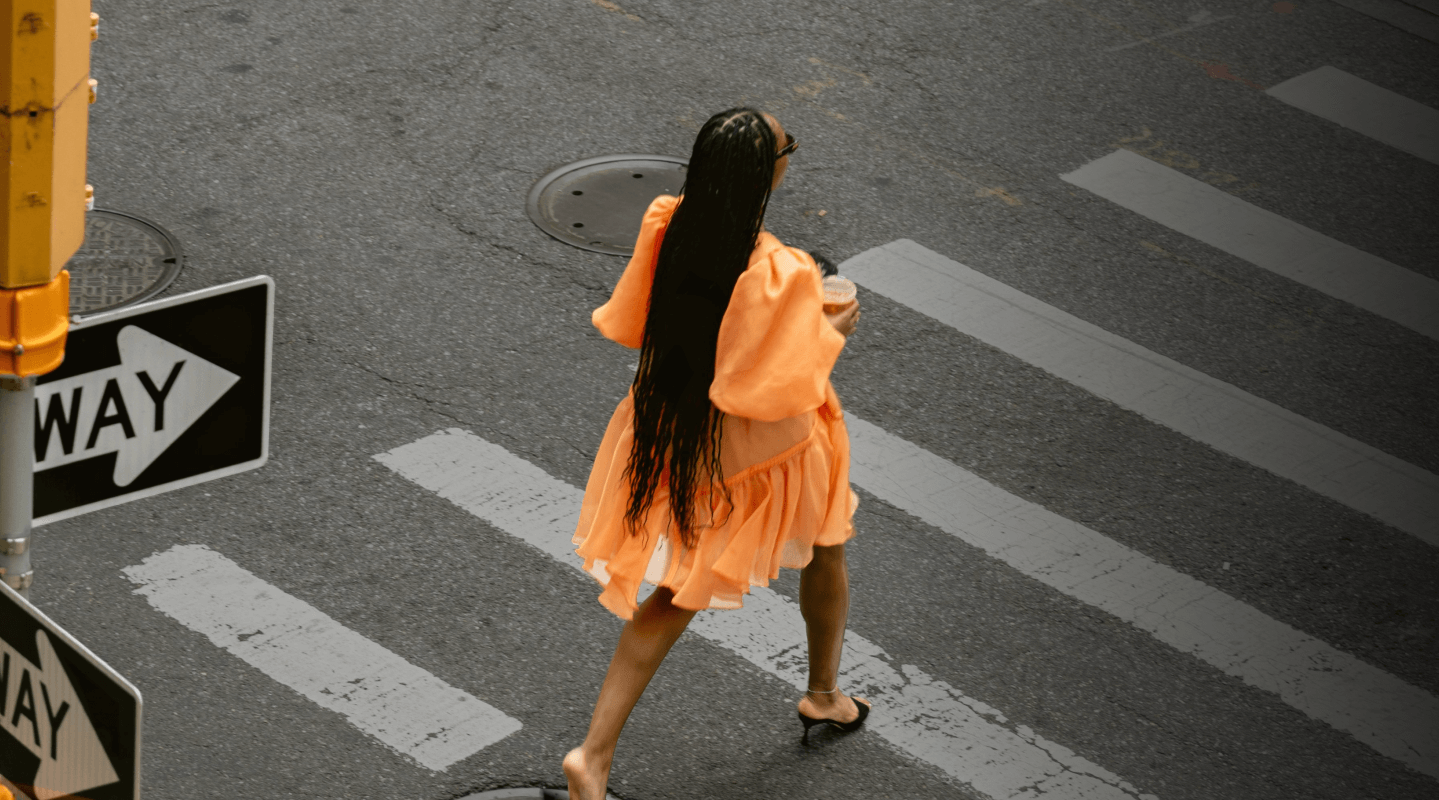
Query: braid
<point>704,251</point>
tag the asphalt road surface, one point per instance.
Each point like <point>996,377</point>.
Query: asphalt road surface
<point>1186,599</point>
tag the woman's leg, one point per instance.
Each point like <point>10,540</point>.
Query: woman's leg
<point>824,602</point>
<point>643,644</point>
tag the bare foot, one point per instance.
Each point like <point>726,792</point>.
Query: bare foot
<point>586,779</point>
<point>835,706</point>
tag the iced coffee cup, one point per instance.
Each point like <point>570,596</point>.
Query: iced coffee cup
<point>839,292</point>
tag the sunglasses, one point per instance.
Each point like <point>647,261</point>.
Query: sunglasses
<point>790,145</point>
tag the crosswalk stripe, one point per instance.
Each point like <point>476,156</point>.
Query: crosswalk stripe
<point>1380,710</point>
<point>1263,238</point>
<point>1361,106</point>
<point>1158,388</point>
<point>380,693</point>
<point>919,715</point>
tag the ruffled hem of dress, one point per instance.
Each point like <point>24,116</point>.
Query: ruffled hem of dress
<point>774,519</point>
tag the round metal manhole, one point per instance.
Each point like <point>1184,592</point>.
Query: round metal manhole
<point>124,260</point>
<point>597,204</point>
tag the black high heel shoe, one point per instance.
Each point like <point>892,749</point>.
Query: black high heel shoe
<point>845,727</point>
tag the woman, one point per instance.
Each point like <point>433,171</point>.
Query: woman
<point>731,409</point>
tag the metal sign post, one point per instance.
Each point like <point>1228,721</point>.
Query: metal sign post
<point>17,462</point>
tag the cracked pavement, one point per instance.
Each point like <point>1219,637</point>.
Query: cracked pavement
<point>374,158</point>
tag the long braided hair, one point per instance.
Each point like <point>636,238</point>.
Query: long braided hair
<point>704,251</point>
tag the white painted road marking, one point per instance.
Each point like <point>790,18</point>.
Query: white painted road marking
<point>380,693</point>
<point>1158,388</point>
<point>1380,710</point>
<point>1415,16</point>
<point>1361,106</point>
<point>922,717</point>
<point>1263,238</point>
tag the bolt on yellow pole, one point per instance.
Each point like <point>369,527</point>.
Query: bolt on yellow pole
<point>45,94</point>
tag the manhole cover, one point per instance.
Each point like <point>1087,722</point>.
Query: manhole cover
<point>123,260</point>
<point>597,204</point>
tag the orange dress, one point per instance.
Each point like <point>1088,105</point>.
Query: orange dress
<point>784,448</point>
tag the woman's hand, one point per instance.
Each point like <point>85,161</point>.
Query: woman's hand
<point>845,320</point>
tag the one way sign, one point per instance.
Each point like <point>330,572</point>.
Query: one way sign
<point>69,724</point>
<point>155,397</point>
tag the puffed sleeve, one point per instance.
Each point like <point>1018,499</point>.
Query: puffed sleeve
<point>622,317</point>
<point>776,348</point>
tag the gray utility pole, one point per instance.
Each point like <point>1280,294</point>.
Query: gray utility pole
<point>17,480</point>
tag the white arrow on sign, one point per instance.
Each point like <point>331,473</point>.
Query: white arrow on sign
<point>45,715</point>
<point>138,408</point>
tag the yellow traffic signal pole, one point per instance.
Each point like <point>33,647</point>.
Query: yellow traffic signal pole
<point>45,92</point>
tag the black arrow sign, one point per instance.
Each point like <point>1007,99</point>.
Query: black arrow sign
<point>155,397</point>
